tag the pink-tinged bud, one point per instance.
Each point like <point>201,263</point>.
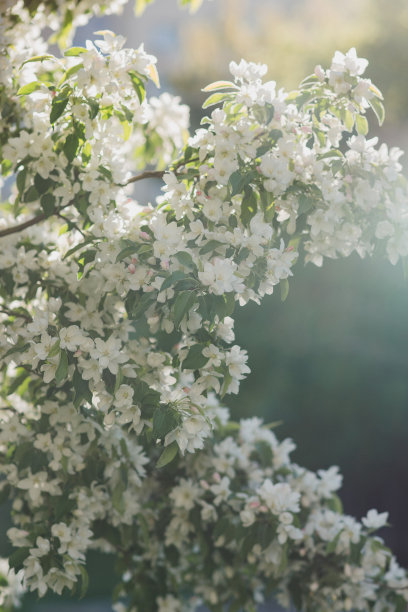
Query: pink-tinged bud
<point>289,248</point>
<point>78,353</point>
<point>165,264</point>
<point>306,129</point>
<point>148,289</point>
<point>134,260</point>
<point>144,235</point>
<point>149,272</point>
<point>186,389</point>
<point>319,72</point>
<point>131,268</point>
<point>254,504</point>
<point>258,169</point>
<point>263,509</point>
<point>277,208</point>
<point>216,477</point>
<point>204,484</point>
<point>199,193</point>
<point>348,178</point>
<point>277,116</point>
<point>194,410</point>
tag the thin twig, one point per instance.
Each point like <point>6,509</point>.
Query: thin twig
<point>22,226</point>
<point>58,214</point>
<point>144,175</point>
<point>14,313</point>
<point>157,173</point>
<point>134,179</point>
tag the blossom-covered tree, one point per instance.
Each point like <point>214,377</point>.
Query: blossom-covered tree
<point>118,341</point>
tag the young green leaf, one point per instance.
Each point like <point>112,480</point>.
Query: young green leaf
<point>62,369</point>
<point>57,108</point>
<point>195,358</point>
<point>184,302</point>
<point>29,88</point>
<point>220,85</point>
<point>169,453</point>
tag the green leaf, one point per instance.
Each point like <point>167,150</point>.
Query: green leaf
<point>284,284</point>
<point>14,349</point>
<point>18,557</point>
<point>21,180</point>
<point>169,453</point>
<point>31,195</point>
<point>74,51</point>
<point>185,259</point>
<point>378,109</point>
<point>211,245</point>
<point>81,390</point>
<point>47,202</point>
<point>18,381</point>
<point>62,369</point>
<point>238,181</point>
<point>184,302</point>
<point>39,58</point>
<point>347,118</point>
<point>195,358</point>
<point>84,581</point>
<point>41,184</point>
<point>94,107</point>
<point>68,73</point>
<point>264,452</point>
<point>165,419</point>
<point>216,99</point>
<point>361,125</point>
<point>54,349</point>
<point>220,85</point>
<point>57,108</point>
<point>335,504</point>
<point>117,497</point>
<point>141,305</point>
<point>131,249</point>
<point>138,85</point>
<point>249,205</point>
<point>29,88</point>
<point>71,146</point>
<point>77,247</point>
<point>172,279</point>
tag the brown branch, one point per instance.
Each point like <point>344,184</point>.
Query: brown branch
<point>22,226</point>
<point>134,179</point>
<point>15,313</point>
<point>157,173</point>
<point>144,175</point>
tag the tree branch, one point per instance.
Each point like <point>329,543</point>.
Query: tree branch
<point>158,173</point>
<point>134,179</point>
<point>15,313</point>
<point>144,175</point>
<point>23,226</point>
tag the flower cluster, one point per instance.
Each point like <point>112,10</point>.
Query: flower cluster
<point>118,336</point>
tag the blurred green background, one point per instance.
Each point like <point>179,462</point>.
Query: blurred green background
<point>331,361</point>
